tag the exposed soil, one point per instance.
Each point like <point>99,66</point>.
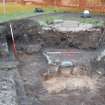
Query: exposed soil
<point>62,89</point>
<point>71,89</point>
<point>29,32</point>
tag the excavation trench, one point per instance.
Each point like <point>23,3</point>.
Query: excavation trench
<point>74,74</point>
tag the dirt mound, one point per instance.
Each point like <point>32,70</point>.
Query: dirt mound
<point>83,39</point>
<point>24,30</point>
<point>31,38</point>
<point>28,32</point>
<point>23,26</point>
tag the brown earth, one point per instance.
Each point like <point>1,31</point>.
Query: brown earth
<point>28,34</point>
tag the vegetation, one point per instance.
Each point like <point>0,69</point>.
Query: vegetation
<point>17,11</point>
<point>95,22</point>
<point>49,19</point>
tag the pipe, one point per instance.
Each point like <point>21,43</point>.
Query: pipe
<point>13,40</point>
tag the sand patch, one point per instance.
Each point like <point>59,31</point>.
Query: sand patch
<point>58,84</point>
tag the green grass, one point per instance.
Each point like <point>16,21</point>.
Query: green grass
<point>48,20</point>
<point>18,11</point>
<point>13,8</point>
<point>15,11</point>
<point>95,22</point>
<point>15,16</point>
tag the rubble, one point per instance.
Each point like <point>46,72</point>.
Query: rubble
<point>71,26</point>
<point>8,94</point>
<point>7,91</point>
